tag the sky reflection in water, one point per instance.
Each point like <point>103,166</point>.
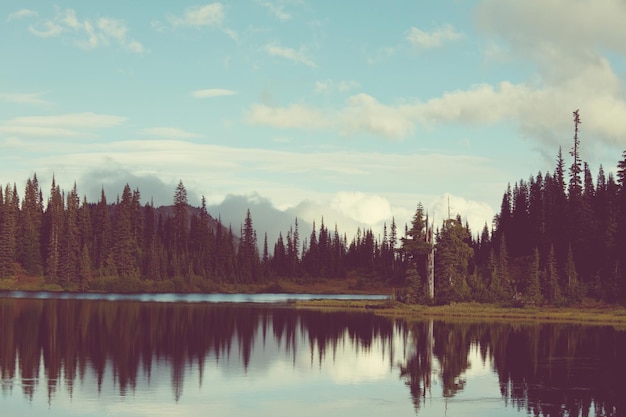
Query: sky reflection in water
<point>62,357</point>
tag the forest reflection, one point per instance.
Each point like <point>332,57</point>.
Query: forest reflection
<point>545,369</point>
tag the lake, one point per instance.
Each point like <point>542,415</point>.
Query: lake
<point>180,356</point>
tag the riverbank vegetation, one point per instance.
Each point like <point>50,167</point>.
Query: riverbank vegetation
<point>587,312</point>
<point>559,238</point>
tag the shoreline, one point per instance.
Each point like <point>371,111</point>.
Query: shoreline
<point>585,314</point>
<point>588,312</point>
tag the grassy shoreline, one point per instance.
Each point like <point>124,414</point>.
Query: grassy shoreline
<point>349,285</point>
<point>588,312</point>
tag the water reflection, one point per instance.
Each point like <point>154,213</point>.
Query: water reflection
<point>236,358</point>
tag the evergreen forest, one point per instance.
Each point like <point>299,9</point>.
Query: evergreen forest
<point>559,237</point>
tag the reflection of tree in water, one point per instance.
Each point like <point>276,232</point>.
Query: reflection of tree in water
<point>562,370</point>
<point>548,369</point>
<point>71,336</point>
<point>417,369</point>
<point>449,344</point>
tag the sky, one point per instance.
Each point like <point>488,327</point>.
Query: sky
<point>350,111</point>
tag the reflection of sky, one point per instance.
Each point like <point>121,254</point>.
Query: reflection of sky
<point>349,380</point>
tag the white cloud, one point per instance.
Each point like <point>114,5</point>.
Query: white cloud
<point>476,213</point>
<point>113,28</point>
<point>71,120</point>
<point>24,98</point>
<point>364,208</point>
<point>362,113</point>
<point>210,15</point>
<point>274,49</point>
<point>294,116</point>
<point>88,35</point>
<point>21,14</point>
<point>38,131</point>
<point>281,176</point>
<point>60,126</point>
<point>169,133</point>
<point>436,38</point>
<point>323,86</point>
<point>365,114</point>
<point>570,44</point>
<point>343,86</point>
<point>212,92</point>
<point>276,9</point>
<point>49,30</point>
<point>207,15</point>
<point>539,111</point>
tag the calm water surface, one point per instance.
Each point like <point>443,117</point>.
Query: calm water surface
<point>105,357</point>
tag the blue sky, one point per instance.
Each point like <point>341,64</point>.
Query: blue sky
<point>352,110</point>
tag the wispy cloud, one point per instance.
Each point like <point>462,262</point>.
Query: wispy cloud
<point>362,113</point>
<point>244,170</point>
<point>212,92</point>
<point>38,131</point>
<point>294,116</point>
<point>21,14</point>
<point>211,15</point>
<point>343,86</point>
<point>47,29</point>
<point>169,133</point>
<point>75,120</point>
<point>274,49</point>
<point>24,98</point>
<point>64,125</point>
<point>436,38</point>
<point>208,15</point>
<point>88,34</point>
<point>277,9</point>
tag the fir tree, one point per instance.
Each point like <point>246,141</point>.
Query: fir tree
<point>54,224</point>
<point>533,287</point>
<point>28,250</point>
<point>9,210</point>
<point>551,280</point>
<point>124,245</point>
<point>453,255</point>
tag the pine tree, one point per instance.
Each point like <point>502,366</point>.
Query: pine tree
<point>573,289</point>
<point>151,245</point>
<point>279,261</point>
<point>500,282</point>
<point>575,184</point>
<point>28,251</point>
<point>453,255</point>
<point>54,232</point>
<point>124,245</point>
<point>248,253</point>
<point>201,241</point>
<point>70,250</point>
<point>265,260</point>
<point>552,292</point>
<point>621,171</point>
<point>620,241</point>
<point>533,287</point>
<point>311,258</point>
<point>84,269</point>
<point>102,240</point>
<point>9,210</point>
<point>416,245</point>
<point>181,220</point>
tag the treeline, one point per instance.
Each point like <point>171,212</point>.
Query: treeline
<point>554,241</point>
<point>127,246</point>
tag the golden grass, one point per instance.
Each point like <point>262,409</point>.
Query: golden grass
<point>588,312</point>
<point>585,313</point>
